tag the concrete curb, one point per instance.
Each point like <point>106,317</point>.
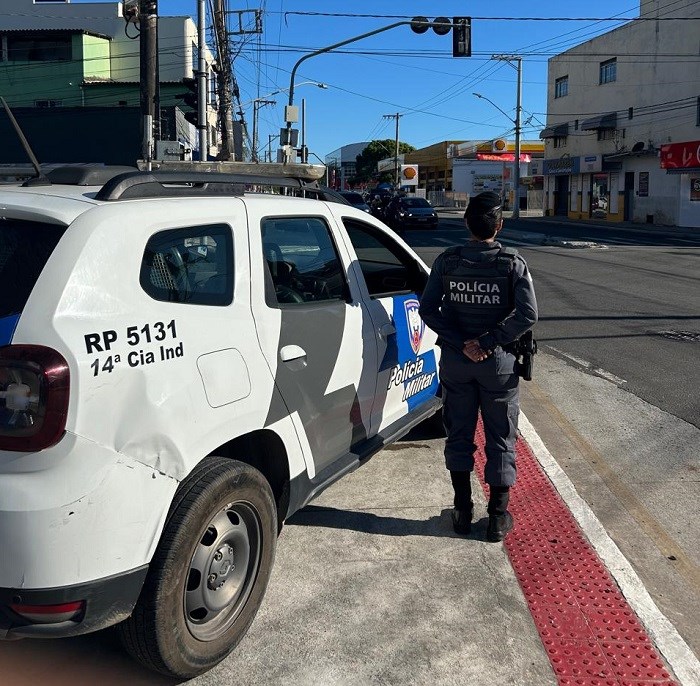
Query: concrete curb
<point>675,650</point>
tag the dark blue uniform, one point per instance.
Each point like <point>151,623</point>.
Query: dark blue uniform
<point>480,291</point>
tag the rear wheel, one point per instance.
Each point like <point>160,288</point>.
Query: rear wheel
<point>209,573</point>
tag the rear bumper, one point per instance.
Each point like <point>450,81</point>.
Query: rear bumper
<point>107,601</point>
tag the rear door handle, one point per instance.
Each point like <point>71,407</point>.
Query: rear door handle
<point>290,353</point>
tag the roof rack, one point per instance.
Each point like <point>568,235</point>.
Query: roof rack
<point>168,184</point>
<point>86,174</point>
<point>270,170</point>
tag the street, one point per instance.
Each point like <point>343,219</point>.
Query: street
<point>371,586</point>
<point>614,392</point>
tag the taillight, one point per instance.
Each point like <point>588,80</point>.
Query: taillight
<point>49,614</point>
<point>34,389</point>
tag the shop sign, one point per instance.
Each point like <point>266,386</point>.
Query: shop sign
<point>591,163</point>
<point>409,174</point>
<point>695,188</point>
<point>681,155</point>
<point>643,184</point>
<point>562,165</point>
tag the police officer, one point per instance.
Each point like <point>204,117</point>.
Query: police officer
<point>479,299</point>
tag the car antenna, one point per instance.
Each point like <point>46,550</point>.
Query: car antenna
<point>39,179</point>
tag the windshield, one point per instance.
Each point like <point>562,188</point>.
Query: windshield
<point>354,198</point>
<point>25,248</point>
<point>415,202</point>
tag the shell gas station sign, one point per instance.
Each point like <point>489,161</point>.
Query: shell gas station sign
<point>409,175</point>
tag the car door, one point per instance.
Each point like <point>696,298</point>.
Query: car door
<point>394,277</point>
<point>318,339</point>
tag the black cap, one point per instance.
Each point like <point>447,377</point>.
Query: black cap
<point>483,203</point>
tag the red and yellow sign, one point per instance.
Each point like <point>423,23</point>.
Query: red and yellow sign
<point>681,155</point>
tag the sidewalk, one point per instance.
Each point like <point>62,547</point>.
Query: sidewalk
<point>371,586</point>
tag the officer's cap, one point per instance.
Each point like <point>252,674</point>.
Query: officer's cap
<point>483,203</point>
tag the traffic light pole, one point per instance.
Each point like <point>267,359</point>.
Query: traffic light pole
<point>288,148</point>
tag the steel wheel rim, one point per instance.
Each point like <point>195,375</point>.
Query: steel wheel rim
<point>222,570</point>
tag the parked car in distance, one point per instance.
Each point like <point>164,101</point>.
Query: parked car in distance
<point>356,200</point>
<point>406,211</point>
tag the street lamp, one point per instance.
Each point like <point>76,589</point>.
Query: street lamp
<point>262,101</point>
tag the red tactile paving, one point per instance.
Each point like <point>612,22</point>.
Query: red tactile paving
<point>590,633</point>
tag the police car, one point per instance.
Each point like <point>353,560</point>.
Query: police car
<point>183,365</point>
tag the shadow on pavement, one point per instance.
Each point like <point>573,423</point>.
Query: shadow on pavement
<point>370,523</point>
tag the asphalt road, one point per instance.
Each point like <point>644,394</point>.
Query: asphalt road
<point>621,301</point>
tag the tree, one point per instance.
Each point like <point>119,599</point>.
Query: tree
<point>366,167</point>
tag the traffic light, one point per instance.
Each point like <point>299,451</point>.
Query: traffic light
<point>461,36</point>
<point>191,99</point>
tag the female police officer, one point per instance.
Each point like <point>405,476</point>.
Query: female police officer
<point>480,298</point>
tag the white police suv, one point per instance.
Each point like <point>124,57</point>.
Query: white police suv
<point>183,365</point>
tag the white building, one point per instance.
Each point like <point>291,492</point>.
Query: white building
<point>618,107</point>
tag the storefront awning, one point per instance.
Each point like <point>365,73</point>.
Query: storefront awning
<point>555,131</point>
<point>601,121</point>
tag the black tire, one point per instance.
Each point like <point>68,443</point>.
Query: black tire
<point>223,515</point>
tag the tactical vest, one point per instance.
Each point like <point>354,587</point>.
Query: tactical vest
<point>478,291</point>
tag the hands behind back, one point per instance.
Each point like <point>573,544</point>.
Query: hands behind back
<point>474,351</point>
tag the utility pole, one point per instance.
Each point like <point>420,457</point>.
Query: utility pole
<point>396,116</point>
<point>148,51</point>
<point>202,125</point>
<point>257,104</point>
<point>518,110</point>
<point>225,80</point>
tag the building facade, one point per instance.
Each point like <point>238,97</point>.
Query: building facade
<point>342,165</point>
<point>489,165</point>
<point>614,103</point>
<point>70,55</point>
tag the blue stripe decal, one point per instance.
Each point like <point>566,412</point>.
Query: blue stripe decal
<point>7,328</point>
<point>417,373</point>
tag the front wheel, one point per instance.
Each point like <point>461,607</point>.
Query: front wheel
<point>209,573</point>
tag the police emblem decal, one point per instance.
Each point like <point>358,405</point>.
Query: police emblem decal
<point>416,327</point>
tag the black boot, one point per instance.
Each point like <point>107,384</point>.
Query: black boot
<point>464,507</point>
<point>500,520</point>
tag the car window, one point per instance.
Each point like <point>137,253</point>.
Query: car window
<point>415,202</point>
<point>191,265</point>
<point>354,198</point>
<point>25,247</point>
<point>387,267</point>
<point>302,261</point>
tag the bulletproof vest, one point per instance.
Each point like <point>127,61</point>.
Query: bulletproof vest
<point>478,291</point>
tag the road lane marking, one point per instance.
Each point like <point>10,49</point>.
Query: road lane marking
<point>588,366</point>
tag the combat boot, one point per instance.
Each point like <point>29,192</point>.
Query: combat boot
<point>464,507</point>
<point>462,520</point>
<point>500,520</point>
<point>499,526</point>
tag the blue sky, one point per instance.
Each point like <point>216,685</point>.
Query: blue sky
<point>400,71</point>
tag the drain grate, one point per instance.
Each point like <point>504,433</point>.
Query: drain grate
<point>691,336</point>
